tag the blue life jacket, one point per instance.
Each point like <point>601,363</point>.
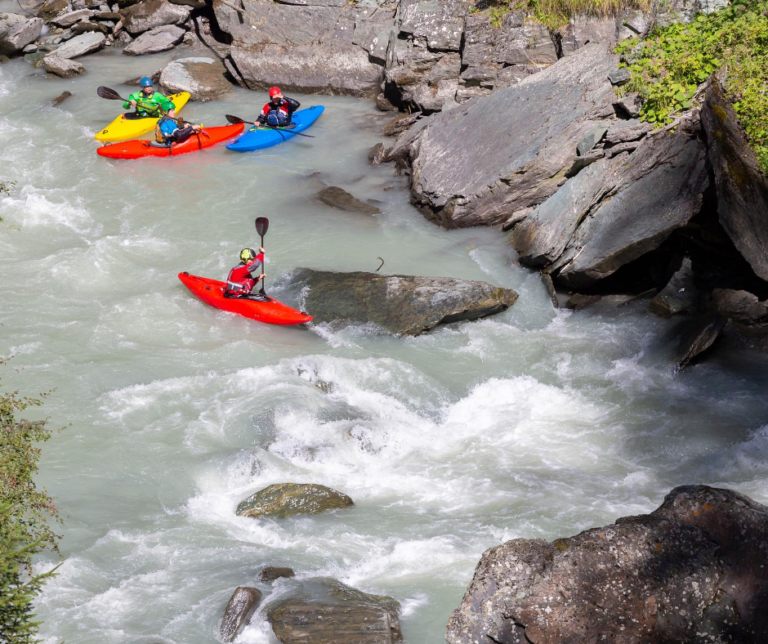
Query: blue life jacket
<point>277,118</point>
<point>167,126</point>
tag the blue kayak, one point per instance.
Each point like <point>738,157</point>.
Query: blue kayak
<point>260,138</point>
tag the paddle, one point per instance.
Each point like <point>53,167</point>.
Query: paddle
<point>236,119</point>
<point>112,95</point>
<point>262,225</point>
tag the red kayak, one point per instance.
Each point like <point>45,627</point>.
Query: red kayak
<point>272,312</point>
<point>137,149</point>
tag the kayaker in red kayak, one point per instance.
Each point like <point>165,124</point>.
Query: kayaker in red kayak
<point>171,130</point>
<point>241,279</point>
<point>279,110</point>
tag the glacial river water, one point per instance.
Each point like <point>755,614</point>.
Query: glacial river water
<point>534,423</point>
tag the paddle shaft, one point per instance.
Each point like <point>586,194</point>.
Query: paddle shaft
<point>237,119</point>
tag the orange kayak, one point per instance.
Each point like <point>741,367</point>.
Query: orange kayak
<point>272,312</point>
<point>207,137</point>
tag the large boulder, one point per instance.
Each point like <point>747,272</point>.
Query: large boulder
<point>202,77</point>
<point>287,499</point>
<point>481,163</point>
<point>157,40</point>
<point>81,45</point>
<point>402,304</point>
<point>691,571</point>
<point>237,615</point>
<point>16,32</point>
<point>742,188</point>
<point>62,67</point>
<point>325,611</point>
<point>616,210</point>
<point>153,13</point>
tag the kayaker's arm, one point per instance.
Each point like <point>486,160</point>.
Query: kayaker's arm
<point>133,99</point>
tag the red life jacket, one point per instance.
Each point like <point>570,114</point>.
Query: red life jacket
<point>283,108</point>
<point>240,275</point>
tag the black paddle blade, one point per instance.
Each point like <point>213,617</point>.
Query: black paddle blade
<point>262,225</point>
<point>109,94</point>
<point>237,119</point>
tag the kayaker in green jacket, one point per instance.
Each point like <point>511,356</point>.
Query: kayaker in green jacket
<point>148,102</point>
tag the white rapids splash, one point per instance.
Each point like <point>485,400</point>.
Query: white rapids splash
<point>534,423</point>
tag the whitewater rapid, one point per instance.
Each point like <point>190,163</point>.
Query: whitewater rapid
<point>535,423</point>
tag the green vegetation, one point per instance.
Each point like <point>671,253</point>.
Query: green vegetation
<point>24,515</point>
<point>668,67</point>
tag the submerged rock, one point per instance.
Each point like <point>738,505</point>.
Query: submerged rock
<point>325,611</point>
<point>287,499</point>
<point>742,187</point>
<point>342,200</point>
<point>402,304</point>
<point>697,337</point>
<point>202,77</point>
<point>237,615</point>
<point>273,573</point>
<point>61,98</point>
<point>688,572</point>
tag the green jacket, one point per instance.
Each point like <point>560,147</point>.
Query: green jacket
<point>153,105</point>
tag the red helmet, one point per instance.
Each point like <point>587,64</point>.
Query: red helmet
<point>274,91</point>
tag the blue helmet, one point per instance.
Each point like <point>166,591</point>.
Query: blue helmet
<point>146,82</point>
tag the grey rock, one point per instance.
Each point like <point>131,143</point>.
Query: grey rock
<point>340,199</point>
<point>60,98</point>
<point>52,8</point>
<point>549,286</point>
<point>30,49</point>
<point>463,94</point>
<point>155,41</point>
<point>377,154</point>
<point>629,106</point>
<point>529,44</point>
<point>85,27</point>
<point>202,29</point>
<point>680,295</point>
<point>684,11</point>
<point>273,573</point>
<point>107,16</point>
<point>81,45</point>
<point>237,615</point>
<point>151,14</point>
<point>654,191</point>
<point>620,77</point>
<point>438,24</point>
<point>493,156</point>
<point>591,140</point>
<point>632,23</point>
<point>400,124</point>
<point>384,104</point>
<point>742,188</point>
<point>582,30</point>
<point>16,32</point>
<point>630,582</point>
<point>482,74</point>
<point>697,338</point>
<point>579,301</point>
<point>401,304</point>
<point>514,74</point>
<point>312,69</point>
<point>480,39</point>
<point>623,131</point>
<point>62,67</point>
<point>740,306</point>
<point>325,611</point>
<point>202,77</point>
<point>284,500</point>
<point>69,19</point>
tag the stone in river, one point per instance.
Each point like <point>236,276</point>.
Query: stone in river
<point>287,499</point>
<point>204,78</point>
<point>16,32</point>
<point>401,304</point>
<point>680,295</point>
<point>62,67</point>
<point>342,200</point>
<point>272,573</point>
<point>698,337</point>
<point>325,611</point>
<point>81,45</point>
<point>237,615</point>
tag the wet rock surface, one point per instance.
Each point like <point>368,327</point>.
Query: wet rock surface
<point>204,78</point>
<point>341,200</point>
<point>401,304</point>
<point>688,572</point>
<point>325,611</point>
<point>697,337</point>
<point>284,500</point>
<point>273,573</point>
<point>62,67</point>
<point>237,615</point>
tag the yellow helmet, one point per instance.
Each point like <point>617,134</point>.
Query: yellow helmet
<point>247,255</point>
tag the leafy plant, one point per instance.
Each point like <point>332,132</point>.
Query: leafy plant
<point>24,515</point>
<point>668,67</point>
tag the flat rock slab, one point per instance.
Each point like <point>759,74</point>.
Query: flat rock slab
<point>155,41</point>
<point>340,199</point>
<point>325,611</point>
<point>237,615</point>
<point>691,571</point>
<point>742,188</point>
<point>148,15</point>
<point>288,499</point>
<point>81,45</point>
<point>401,304</point>
<point>202,77</point>
<point>63,68</point>
<point>480,163</point>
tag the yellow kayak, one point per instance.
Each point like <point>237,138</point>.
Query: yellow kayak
<point>126,126</point>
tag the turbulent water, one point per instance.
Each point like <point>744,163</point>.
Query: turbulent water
<point>534,423</point>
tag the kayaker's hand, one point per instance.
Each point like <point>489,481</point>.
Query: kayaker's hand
<point>133,103</point>
<point>261,249</point>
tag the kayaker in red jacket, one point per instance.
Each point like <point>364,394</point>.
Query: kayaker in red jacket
<point>241,279</point>
<point>279,110</point>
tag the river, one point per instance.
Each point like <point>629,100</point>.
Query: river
<point>533,423</point>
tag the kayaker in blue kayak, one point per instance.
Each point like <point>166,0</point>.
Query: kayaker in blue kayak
<point>279,110</point>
